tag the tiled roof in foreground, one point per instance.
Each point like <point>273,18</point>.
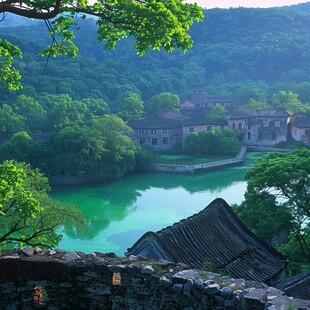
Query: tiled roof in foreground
<point>298,285</point>
<point>217,237</point>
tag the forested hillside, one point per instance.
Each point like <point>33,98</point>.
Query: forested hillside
<point>265,50</point>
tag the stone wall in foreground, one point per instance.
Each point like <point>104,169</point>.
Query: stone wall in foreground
<point>35,279</point>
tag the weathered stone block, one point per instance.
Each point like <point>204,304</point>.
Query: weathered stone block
<point>146,269</point>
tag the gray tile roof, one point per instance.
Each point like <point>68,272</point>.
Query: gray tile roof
<point>217,236</point>
<point>221,98</point>
<point>257,113</point>
<point>298,286</point>
<point>302,122</point>
<point>201,119</point>
<point>154,122</point>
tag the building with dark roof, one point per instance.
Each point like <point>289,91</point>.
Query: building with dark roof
<point>216,237</point>
<point>200,100</point>
<point>300,129</point>
<point>264,127</point>
<point>160,133</point>
<point>200,122</point>
<point>261,127</point>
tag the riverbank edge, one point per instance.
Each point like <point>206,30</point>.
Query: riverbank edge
<point>83,180</point>
<point>191,169</point>
<point>165,168</point>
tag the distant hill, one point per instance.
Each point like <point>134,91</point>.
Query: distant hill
<point>303,7</point>
<point>12,20</point>
<point>234,50</point>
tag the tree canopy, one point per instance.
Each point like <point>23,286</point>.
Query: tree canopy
<point>164,100</point>
<point>153,24</point>
<point>27,215</point>
<point>213,142</point>
<point>279,187</point>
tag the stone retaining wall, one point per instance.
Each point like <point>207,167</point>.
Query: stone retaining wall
<point>268,149</point>
<point>238,160</point>
<point>31,279</point>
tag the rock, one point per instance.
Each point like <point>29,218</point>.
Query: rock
<point>184,275</point>
<point>116,268</point>
<point>229,305</point>
<point>177,288</point>
<point>52,252</point>
<point>164,281</point>
<point>219,301</point>
<point>226,292</point>
<point>146,270</point>
<point>211,289</point>
<point>198,284</point>
<point>71,256</point>
<point>187,288</point>
<point>10,257</point>
<point>27,251</point>
<point>256,294</point>
<point>37,250</point>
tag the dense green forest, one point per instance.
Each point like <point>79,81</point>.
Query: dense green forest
<point>236,51</point>
<point>251,53</point>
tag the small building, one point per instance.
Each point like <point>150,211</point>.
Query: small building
<point>215,237</point>
<point>200,122</point>
<point>261,127</point>
<point>200,100</point>
<point>225,101</point>
<point>300,129</point>
<point>159,133</point>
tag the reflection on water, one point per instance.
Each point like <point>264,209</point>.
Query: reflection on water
<point>120,212</point>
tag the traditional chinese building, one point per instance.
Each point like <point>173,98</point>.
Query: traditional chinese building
<point>214,237</point>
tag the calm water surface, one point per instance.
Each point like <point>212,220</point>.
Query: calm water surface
<point>120,212</point>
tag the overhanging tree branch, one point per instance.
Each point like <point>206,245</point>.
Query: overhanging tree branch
<point>15,7</point>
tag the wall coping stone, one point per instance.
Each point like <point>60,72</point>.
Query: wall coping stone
<point>47,279</point>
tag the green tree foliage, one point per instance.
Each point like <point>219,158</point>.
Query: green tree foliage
<point>130,106</point>
<point>213,142</point>
<point>288,100</point>
<point>23,148</point>
<point>9,76</point>
<point>121,150</point>
<point>217,112</point>
<point>101,150</point>
<point>32,111</point>
<point>95,107</point>
<point>153,24</point>
<point>280,184</point>
<point>253,104</point>
<point>163,100</point>
<point>77,150</point>
<point>63,110</point>
<point>259,213</point>
<point>10,122</point>
<point>28,216</point>
<point>248,92</point>
<point>18,147</point>
<point>143,159</point>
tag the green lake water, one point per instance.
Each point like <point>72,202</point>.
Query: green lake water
<point>120,212</point>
